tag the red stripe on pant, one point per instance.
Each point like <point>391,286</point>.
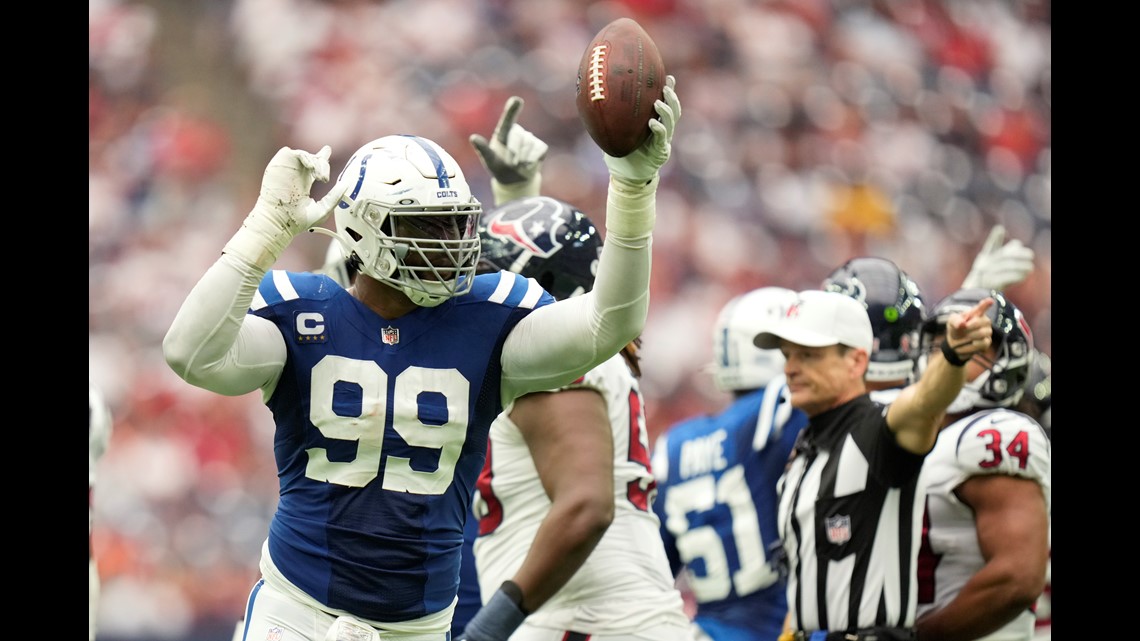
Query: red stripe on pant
<point>575,636</point>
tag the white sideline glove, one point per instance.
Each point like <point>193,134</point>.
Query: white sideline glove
<point>998,266</point>
<point>284,207</point>
<point>642,166</point>
<point>513,156</point>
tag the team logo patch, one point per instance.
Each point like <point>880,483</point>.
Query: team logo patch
<point>310,327</point>
<point>390,335</point>
<point>275,634</point>
<point>521,228</point>
<point>838,529</point>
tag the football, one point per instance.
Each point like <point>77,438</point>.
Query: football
<point>620,77</point>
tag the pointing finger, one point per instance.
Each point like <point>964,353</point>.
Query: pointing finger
<point>507,120</point>
<point>976,312</point>
<point>994,240</point>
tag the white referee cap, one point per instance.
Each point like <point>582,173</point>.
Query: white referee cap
<point>819,319</point>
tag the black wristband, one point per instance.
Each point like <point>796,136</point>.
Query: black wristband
<point>512,589</point>
<point>951,356</point>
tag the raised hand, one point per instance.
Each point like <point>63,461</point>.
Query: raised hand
<point>284,207</point>
<point>513,156</point>
<point>642,166</point>
<point>998,266</point>
<point>971,332</point>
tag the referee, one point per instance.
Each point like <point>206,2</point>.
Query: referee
<point>850,512</point>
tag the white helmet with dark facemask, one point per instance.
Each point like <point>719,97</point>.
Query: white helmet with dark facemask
<point>737,363</point>
<point>409,218</point>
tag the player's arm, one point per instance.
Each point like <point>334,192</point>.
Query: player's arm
<point>569,437</point>
<point>212,342</point>
<point>1013,535</point>
<point>557,343</point>
<point>916,415</point>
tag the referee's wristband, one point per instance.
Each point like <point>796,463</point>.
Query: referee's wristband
<point>951,356</point>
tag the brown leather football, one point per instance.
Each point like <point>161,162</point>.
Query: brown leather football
<point>620,77</point>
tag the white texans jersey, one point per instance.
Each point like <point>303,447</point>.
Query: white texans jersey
<point>998,441</point>
<point>625,585</point>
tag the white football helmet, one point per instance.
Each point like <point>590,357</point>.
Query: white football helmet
<point>409,217</point>
<point>737,363</point>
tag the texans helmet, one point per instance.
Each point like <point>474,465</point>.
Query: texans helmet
<point>1011,353</point>
<point>894,305</point>
<point>1037,400</point>
<point>408,218</point>
<point>738,364</point>
<point>545,239</point>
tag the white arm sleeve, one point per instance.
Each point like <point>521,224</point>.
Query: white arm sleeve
<point>558,343</point>
<point>214,344</point>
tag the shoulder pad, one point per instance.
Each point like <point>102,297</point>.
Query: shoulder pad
<point>280,286</point>
<point>1002,442</point>
<point>508,289</point>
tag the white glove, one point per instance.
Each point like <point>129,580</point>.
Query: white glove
<point>284,207</point>
<point>347,628</point>
<point>513,156</point>
<point>641,167</point>
<point>631,205</point>
<point>998,266</point>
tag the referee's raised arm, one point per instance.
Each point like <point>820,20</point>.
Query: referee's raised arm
<point>916,415</point>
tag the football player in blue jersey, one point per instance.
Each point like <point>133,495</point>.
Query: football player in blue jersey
<point>383,394</point>
<point>716,480</point>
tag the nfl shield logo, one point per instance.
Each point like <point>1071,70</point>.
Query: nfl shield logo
<point>390,335</point>
<point>838,529</point>
<point>274,634</point>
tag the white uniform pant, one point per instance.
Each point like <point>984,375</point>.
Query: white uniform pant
<point>273,614</point>
<point>659,632</point>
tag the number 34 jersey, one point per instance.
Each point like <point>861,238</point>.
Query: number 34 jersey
<point>625,584</point>
<point>381,433</point>
<point>997,441</point>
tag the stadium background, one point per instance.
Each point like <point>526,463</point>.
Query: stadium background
<point>813,131</point>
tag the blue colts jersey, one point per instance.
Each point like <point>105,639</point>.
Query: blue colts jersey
<point>470,596</point>
<point>717,501</point>
<point>381,433</point>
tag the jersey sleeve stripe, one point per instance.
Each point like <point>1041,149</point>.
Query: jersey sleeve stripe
<point>503,289</point>
<point>284,285</point>
<point>533,293</point>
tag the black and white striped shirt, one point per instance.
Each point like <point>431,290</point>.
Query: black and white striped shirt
<point>851,521</point>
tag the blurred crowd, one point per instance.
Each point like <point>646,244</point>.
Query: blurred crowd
<point>813,131</point>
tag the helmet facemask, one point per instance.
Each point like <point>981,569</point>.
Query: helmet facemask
<point>411,219</point>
